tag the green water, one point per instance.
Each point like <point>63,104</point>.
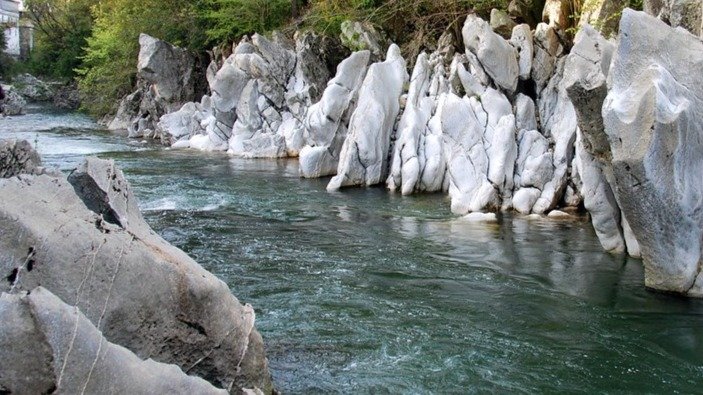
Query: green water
<point>369,292</point>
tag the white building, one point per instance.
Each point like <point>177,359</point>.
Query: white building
<point>19,35</point>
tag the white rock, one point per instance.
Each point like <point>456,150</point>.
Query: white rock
<point>364,156</point>
<point>522,41</point>
<point>497,56</point>
<point>481,217</point>
<point>653,118</point>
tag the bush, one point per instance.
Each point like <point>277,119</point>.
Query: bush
<point>228,20</point>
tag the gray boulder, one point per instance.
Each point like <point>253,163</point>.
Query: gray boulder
<point>685,13</point>
<point>48,346</point>
<point>84,240</point>
<point>32,88</point>
<point>18,157</point>
<point>501,23</point>
<point>13,103</point>
<point>652,117</point>
<point>359,36</point>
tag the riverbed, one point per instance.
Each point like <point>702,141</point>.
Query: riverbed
<point>366,291</point>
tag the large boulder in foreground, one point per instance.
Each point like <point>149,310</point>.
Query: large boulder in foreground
<point>49,346</point>
<point>84,240</point>
<point>653,117</point>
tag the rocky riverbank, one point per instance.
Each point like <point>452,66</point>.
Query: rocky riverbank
<point>94,300</point>
<point>533,122</point>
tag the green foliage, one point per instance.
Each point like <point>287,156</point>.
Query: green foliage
<point>61,29</point>
<point>109,64</point>
<point>228,20</point>
<point>413,24</point>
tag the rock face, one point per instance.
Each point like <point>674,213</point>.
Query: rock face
<point>652,118</point>
<point>90,247</point>
<point>498,57</point>
<point>167,78</point>
<point>364,156</point>
<point>31,88</point>
<point>360,36</point>
<point>325,125</point>
<point>13,103</point>
<point>50,346</point>
<point>685,13</point>
<point>18,157</point>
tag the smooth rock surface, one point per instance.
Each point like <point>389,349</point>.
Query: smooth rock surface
<point>48,346</point>
<point>497,56</point>
<point>652,117</point>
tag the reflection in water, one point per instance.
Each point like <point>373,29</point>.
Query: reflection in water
<point>366,291</point>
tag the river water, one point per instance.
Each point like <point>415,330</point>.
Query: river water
<point>369,292</point>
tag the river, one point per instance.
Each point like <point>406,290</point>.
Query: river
<point>365,291</point>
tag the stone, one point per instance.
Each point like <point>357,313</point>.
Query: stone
<point>180,126</point>
<point>364,156</point>
<point>652,117</point>
<point>525,118</point>
<point>547,49</point>
<point>405,165</point>
<point>85,241</point>
<point>13,103</point>
<point>67,96</point>
<point>32,88</point>
<point>466,158</point>
<point>586,68</point>
<point>687,14</point>
<point>481,217</point>
<point>360,36</point>
<point>167,78</point>
<point>496,55</point>
<point>534,168</point>
<point>501,23</point>
<point>521,39</point>
<point>558,214</point>
<point>18,157</point>
<point>50,346</point>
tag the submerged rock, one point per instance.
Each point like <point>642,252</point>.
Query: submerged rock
<point>48,346</point>
<point>652,118</point>
<point>85,241</point>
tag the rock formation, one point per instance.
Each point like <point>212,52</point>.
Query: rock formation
<point>167,77</point>
<point>652,116</point>
<point>18,157</point>
<point>13,103</point>
<point>32,88</point>
<point>49,346</point>
<point>84,240</point>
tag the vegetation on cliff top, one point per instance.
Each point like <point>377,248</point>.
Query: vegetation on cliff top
<point>96,41</point>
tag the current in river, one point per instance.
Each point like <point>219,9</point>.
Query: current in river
<point>366,291</point>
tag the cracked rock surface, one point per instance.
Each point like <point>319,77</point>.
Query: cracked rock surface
<point>84,240</point>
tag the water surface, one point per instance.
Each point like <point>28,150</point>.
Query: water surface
<point>369,292</point>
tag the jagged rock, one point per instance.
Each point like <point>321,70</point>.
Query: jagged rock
<point>364,156</point>
<point>534,168</point>
<point>405,164</point>
<point>32,88</point>
<point>359,36</point>
<point>325,124</point>
<point>547,49</point>
<point>67,96</point>
<point>521,39</point>
<point>18,157</point>
<point>13,103</point>
<point>527,11</point>
<point>496,55</point>
<point>166,79</point>
<point>86,242</point>
<point>685,13</point>
<point>525,118</point>
<point>49,346</point>
<point>558,122</point>
<point>467,162</point>
<point>178,127</point>
<point>501,23</point>
<point>586,69</point>
<point>499,140</point>
<point>652,117</point>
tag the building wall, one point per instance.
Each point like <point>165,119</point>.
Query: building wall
<point>10,20</point>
